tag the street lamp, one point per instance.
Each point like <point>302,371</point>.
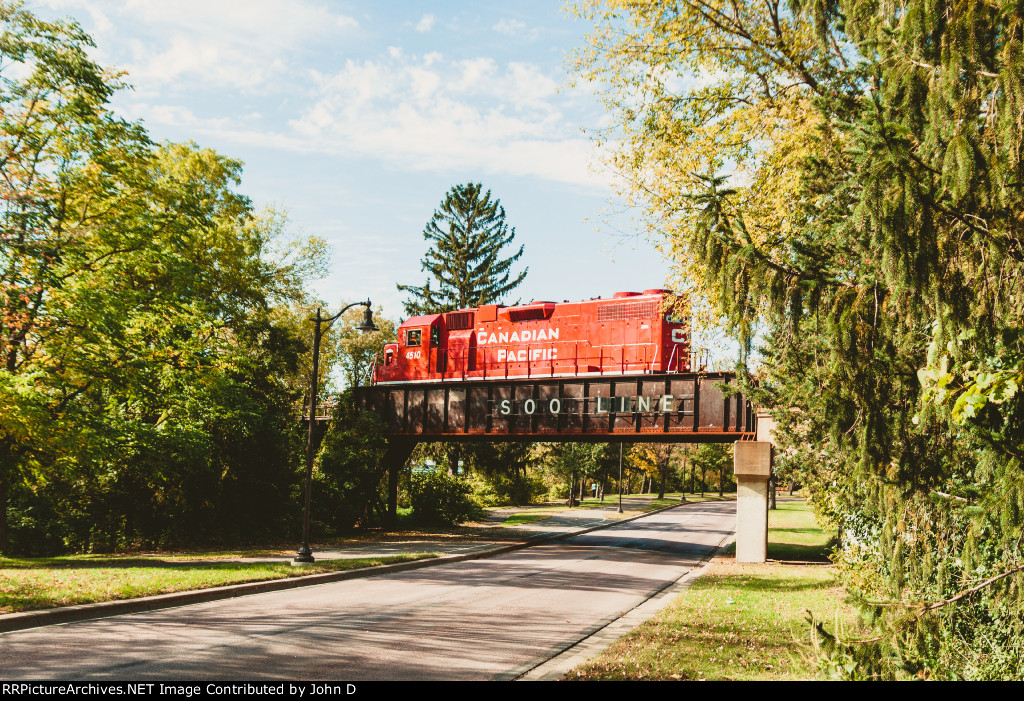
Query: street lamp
<point>304,554</point>
<point>620,477</point>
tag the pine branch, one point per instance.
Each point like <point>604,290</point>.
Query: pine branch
<point>973,590</point>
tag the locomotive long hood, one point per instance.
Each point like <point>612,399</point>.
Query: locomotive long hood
<point>629,333</point>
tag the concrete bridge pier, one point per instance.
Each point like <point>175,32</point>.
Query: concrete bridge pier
<point>752,462</point>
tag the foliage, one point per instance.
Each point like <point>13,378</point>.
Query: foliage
<point>656,460</point>
<point>147,384</point>
<point>441,499</point>
<point>357,351</point>
<point>872,228</point>
<point>466,235</point>
<point>568,463</point>
<point>348,471</point>
<point>507,489</point>
<point>713,461</point>
<point>695,86</point>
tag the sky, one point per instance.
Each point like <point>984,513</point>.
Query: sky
<point>356,118</point>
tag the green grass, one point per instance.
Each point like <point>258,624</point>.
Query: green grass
<point>28,584</point>
<point>737,622</point>
<point>793,534</point>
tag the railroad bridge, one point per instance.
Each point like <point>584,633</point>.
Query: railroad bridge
<point>665,407</point>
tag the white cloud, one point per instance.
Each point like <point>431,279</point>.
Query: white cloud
<point>423,112</point>
<point>516,28</point>
<point>477,74</point>
<point>509,26</point>
<point>240,44</point>
<point>426,23</point>
<point>426,113</point>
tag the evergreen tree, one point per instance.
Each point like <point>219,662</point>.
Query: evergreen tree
<point>889,279</point>
<point>464,264</point>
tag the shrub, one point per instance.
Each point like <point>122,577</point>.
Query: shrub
<point>441,499</point>
<point>508,490</point>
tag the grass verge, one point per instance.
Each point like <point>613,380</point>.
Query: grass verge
<point>31,584</point>
<point>738,622</point>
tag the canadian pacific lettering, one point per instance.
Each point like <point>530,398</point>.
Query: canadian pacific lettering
<point>524,336</point>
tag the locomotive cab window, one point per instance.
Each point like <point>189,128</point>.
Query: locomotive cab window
<point>413,338</point>
<point>435,336</point>
<point>389,357</point>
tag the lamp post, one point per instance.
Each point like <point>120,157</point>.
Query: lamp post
<point>620,477</point>
<point>304,554</point>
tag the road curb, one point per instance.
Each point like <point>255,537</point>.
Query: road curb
<point>10,622</point>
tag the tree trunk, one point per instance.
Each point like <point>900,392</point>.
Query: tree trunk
<point>3,507</point>
<point>792,486</point>
<point>684,476</point>
<point>721,480</point>
<point>6,464</point>
<point>454,454</point>
<point>664,479</point>
<point>771,491</point>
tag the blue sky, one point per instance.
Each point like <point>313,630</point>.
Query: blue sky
<point>357,118</point>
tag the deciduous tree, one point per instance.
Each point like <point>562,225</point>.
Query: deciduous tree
<point>144,382</point>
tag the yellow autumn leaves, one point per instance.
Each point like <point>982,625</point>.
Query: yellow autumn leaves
<point>704,88</point>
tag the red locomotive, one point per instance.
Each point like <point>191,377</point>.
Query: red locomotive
<point>627,334</point>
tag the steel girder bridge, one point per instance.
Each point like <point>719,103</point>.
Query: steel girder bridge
<point>672,407</point>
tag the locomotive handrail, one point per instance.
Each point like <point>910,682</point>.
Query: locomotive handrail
<point>471,361</point>
<point>444,356</point>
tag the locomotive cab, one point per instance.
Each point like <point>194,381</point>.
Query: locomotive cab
<point>418,348</point>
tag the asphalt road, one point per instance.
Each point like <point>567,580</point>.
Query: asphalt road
<point>483,619</point>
